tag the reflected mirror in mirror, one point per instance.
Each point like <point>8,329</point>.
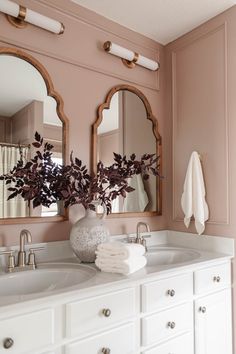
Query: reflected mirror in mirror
<point>126,125</point>
<point>25,107</point>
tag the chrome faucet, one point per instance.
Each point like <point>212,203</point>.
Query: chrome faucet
<point>25,236</point>
<point>140,239</point>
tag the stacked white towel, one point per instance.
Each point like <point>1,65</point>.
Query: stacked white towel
<point>119,257</point>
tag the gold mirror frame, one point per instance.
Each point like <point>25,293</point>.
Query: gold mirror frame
<point>60,112</point>
<point>152,118</point>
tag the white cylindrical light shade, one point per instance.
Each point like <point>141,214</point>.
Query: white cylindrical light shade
<point>42,21</point>
<point>121,52</point>
<point>147,63</point>
<point>9,8</point>
<point>130,56</point>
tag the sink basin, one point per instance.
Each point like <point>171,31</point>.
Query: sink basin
<point>170,255</point>
<point>46,278</point>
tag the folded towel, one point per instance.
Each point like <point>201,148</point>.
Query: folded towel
<point>193,198</point>
<point>126,267</point>
<point>120,250</point>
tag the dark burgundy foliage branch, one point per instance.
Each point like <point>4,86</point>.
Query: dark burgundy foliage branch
<point>43,182</point>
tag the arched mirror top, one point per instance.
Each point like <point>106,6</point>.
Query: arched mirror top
<point>29,103</point>
<point>125,124</point>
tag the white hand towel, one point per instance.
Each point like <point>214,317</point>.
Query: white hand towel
<point>125,267</point>
<point>193,198</point>
<point>121,250</point>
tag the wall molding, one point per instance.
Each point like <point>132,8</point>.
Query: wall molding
<point>188,42</point>
<point>70,61</point>
<point>98,25</point>
<point>86,17</point>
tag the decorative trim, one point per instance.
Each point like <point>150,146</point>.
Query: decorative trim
<point>60,111</point>
<point>99,26</point>
<point>79,64</point>
<point>152,118</point>
<point>223,27</point>
<point>34,220</point>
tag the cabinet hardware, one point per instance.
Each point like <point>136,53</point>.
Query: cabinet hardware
<point>202,309</point>
<point>217,279</point>
<point>8,343</point>
<point>106,312</point>
<point>171,325</point>
<point>106,350</point>
<point>171,292</point>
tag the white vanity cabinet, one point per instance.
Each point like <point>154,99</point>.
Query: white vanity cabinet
<point>213,312</point>
<point>185,311</point>
<point>114,341</point>
<point>27,332</point>
<point>111,317</point>
<point>99,312</point>
<point>167,305</point>
<point>180,345</point>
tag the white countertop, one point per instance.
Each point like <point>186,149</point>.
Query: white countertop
<point>208,248</point>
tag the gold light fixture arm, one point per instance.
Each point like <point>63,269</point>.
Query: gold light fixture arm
<point>131,64</point>
<point>19,21</point>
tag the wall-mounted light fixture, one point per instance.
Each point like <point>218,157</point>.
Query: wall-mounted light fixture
<point>130,58</point>
<point>18,15</point>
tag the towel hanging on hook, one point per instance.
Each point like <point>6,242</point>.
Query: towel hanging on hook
<point>193,200</point>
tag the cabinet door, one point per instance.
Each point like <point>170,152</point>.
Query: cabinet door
<point>213,327</point>
<point>29,332</point>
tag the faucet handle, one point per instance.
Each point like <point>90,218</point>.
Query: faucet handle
<point>31,259</point>
<point>11,259</point>
<point>36,249</point>
<point>10,252</point>
<point>146,236</point>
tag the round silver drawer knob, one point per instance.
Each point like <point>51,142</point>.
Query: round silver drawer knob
<point>8,343</point>
<point>106,350</point>
<point>171,325</point>
<point>106,312</point>
<point>217,279</point>
<point>202,309</point>
<point>171,292</point>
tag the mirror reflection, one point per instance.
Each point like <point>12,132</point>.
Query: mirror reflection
<point>25,108</point>
<point>126,127</point>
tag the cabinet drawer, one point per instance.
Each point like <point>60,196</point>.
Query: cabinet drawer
<point>88,315</point>
<point>212,279</point>
<point>167,323</point>
<point>166,292</point>
<point>29,332</point>
<point>119,340</point>
<point>180,345</point>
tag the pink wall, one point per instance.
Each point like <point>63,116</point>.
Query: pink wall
<point>201,111</point>
<point>83,74</point>
<point>194,103</point>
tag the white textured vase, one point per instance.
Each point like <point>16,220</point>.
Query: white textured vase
<point>86,234</point>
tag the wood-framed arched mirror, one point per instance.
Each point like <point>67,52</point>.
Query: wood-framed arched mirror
<point>125,124</point>
<point>28,103</point>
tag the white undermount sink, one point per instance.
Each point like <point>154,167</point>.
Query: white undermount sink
<point>170,256</point>
<point>46,278</point>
